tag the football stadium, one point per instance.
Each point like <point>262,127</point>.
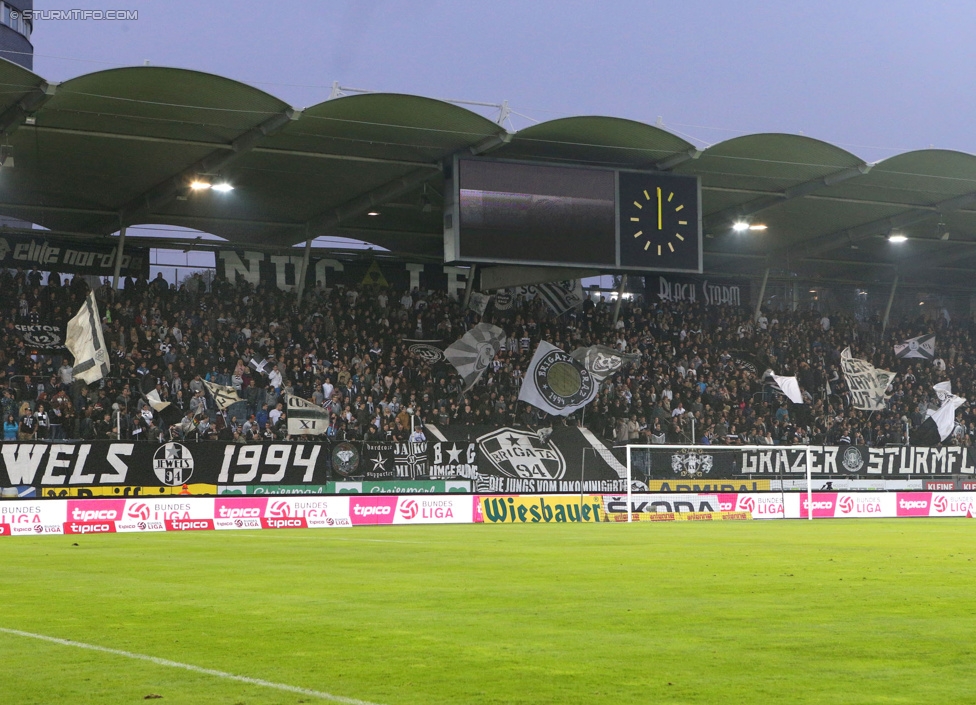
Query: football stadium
<point>384,401</point>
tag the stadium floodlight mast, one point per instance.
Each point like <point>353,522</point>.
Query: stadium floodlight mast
<point>630,447</point>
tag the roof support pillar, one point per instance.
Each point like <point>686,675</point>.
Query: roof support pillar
<point>891,300</point>
<point>118,258</point>
<point>304,272</point>
<point>762,295</point>
<point>620,297</point>
<point>469,286</point>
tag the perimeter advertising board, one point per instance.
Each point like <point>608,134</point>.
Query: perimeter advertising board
<point>136,514</point>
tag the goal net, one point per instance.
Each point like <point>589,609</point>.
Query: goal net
<point>658,475</point>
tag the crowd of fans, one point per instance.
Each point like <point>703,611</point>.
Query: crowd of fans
<point>342,348</point>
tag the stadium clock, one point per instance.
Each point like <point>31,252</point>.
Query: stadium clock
<point>659,222</point>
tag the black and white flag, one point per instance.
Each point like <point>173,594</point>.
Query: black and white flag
<point>262,368</point>
<point>561,297</point>
<point>866,383</point>
<point>429,350</point>
<point>305,418</point>
<point>42,336</point>
<point>601,361</point>
<point>167,412</point>
<point>922,347</point>
<point>556,383</point>
<point>945,416</point>
<point>86,342</point>
<point>504,300</point>
<point>473,352</point>
<point>223,395</point>
<point>788,385</point>
<point>478,302</point>
<point>939,423</point>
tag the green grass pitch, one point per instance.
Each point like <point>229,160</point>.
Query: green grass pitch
<point>871,611</point>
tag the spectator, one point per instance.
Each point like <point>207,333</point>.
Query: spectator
<point>10,428</point>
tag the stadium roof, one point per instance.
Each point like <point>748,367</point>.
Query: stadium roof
<point>123,145</point>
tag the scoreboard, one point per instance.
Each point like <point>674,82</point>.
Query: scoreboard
<point>507,212</point>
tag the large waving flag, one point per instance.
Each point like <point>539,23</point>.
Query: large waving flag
<point>473,352</point>
<point>168,413</point>
<point>922,347</point>
<point>788,385</point>
<point>223,395</point>
<point>866,382</point>
<point>87,344</point>
<point>557,383</point>
<point>561,297</point>
<point>305,418</point>
<point>601,361</point>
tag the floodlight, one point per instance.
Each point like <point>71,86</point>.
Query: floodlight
<point>223,187</point>
<point>897,238</point>
<point>740,226</point>
<point>199,185</point>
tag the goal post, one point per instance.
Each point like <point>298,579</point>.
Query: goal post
<point>697,462</point>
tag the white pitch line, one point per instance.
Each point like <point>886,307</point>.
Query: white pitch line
<point>190,667</point>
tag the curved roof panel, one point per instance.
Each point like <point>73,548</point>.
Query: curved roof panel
<point>595,140</point>
<point>768,162</point>
<point>922,177</point>
<point>159,102</point>
<point>385,126</point>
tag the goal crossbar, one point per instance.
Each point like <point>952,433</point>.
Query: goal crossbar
<point>689,446</point>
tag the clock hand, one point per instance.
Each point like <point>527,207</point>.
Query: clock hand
<point>659,208</point>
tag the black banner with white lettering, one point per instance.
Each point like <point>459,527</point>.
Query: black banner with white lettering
<point>708,292</point>
<point>47,337</point>
<point>496,459</point>
<point>508,460</point>
<point>167,465</point>
<point>66,256</point>
<point>826,462</point>
<point>282,271</point>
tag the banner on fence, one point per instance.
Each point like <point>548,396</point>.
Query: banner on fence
<point>710,464</point>
<point>69,256</point>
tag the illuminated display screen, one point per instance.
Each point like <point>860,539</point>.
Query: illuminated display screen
<point>540,213</point>
<point>545,214</point>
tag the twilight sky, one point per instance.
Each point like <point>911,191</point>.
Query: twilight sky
<point>877,77</point>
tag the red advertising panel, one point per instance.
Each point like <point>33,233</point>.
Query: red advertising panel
<point>824,504</point>
<point>89,527</point>
<point>913,504</point>
<point>284,523</point>
<point>189,524</point>
<point>372,509</point>
<point>83,510</point>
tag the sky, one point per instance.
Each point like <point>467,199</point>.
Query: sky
<point>877,77</point>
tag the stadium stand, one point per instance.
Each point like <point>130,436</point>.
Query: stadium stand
<point>699,376</point>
